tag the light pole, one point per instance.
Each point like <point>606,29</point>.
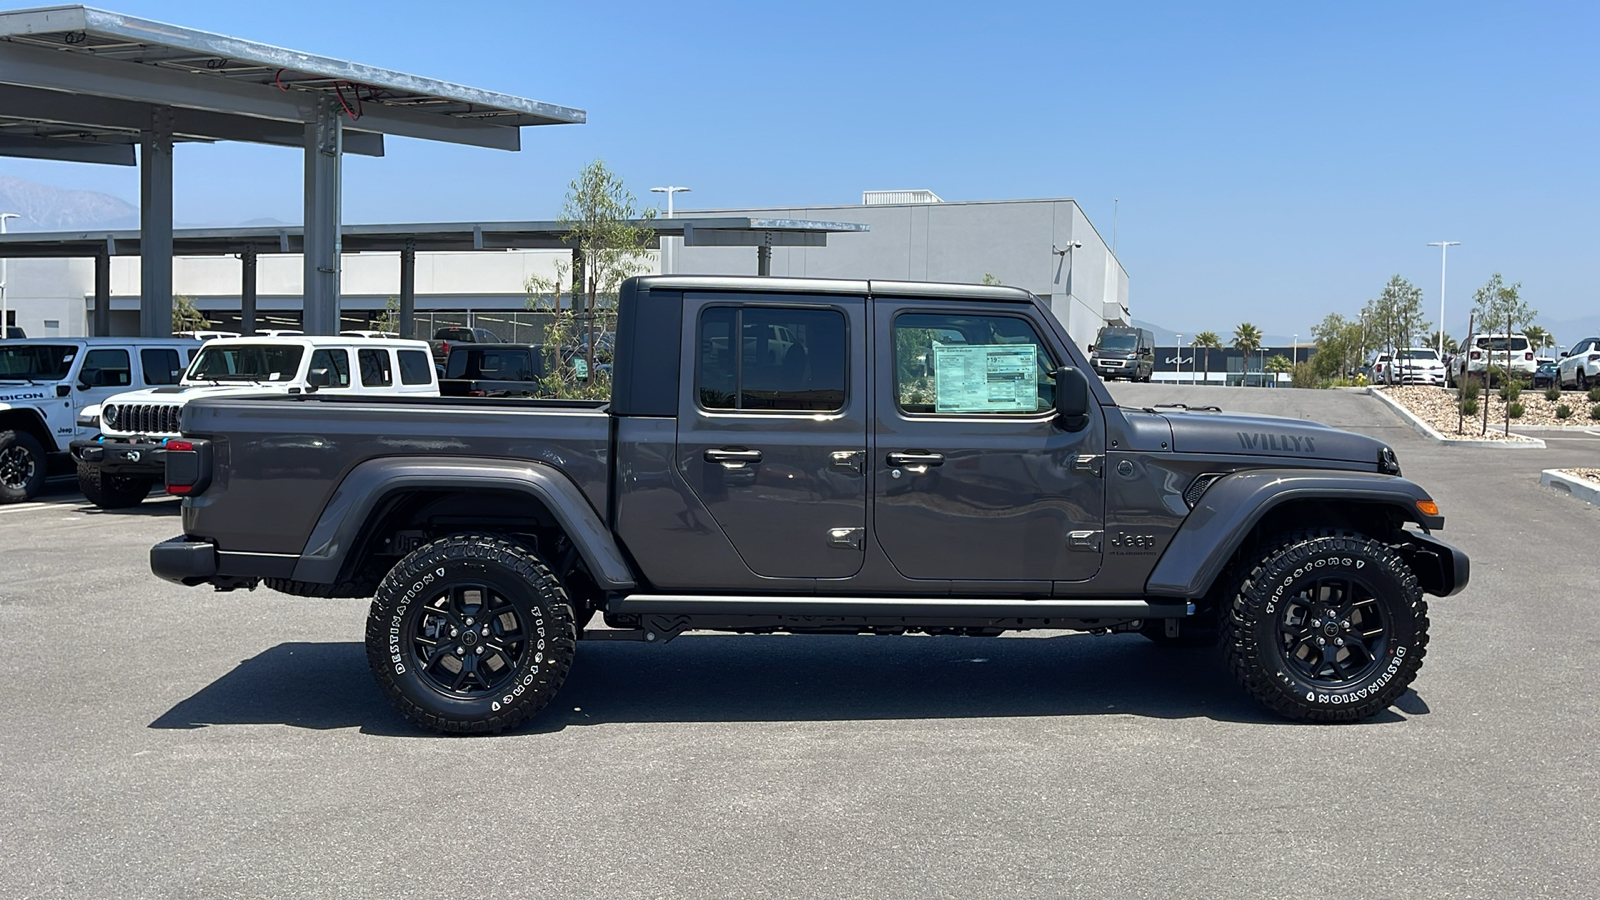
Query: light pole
<point>1444,249</point>
<point>5,302</point>
<point>1178,342</point>
<point>669,190</point>
<point>1294,350</point>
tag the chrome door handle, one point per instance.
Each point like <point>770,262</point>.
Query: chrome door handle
<point>733,458</point>
<point>915,459</point>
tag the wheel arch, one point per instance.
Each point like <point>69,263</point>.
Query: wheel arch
<point>381,497</point>
<point>31,422</point>
<point>1238,510</point>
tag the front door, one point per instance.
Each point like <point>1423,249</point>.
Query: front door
<point>975,479</point>
<point>772,436</point>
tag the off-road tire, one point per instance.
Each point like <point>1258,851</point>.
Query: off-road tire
<point>112,491</point>
<point>23,466</point>
<point>433,588</point>
<point>1270,653</point>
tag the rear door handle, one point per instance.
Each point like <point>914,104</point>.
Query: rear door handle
<point>732,458</point>
<point>915,458</point>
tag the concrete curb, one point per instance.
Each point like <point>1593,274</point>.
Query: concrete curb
<point>1582,488</point>
<point>1428,431</point>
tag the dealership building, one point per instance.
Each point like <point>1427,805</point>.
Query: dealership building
<point>1047,246</point>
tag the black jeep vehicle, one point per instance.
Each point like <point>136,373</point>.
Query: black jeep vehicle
<point>816,456</point>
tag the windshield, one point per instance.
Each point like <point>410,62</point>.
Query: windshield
<point>1431,355</point>
<point>1514,343</point>
<point>1122,343</point>
<point>246,362</point>
<point>42,362</point>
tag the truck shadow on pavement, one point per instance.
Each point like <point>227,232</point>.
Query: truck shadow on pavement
<point>771,678</point>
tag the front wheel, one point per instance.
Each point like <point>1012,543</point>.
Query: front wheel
<point>1326,627</point>
<point>471,633</point>
<point>22,466</point>
<point>112,491</point>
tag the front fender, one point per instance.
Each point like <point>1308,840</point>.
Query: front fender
<point>1233,505</point>
<point>338,530</point>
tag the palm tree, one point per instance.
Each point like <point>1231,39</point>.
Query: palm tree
<point>1277,364</point>
<point>1538,338</point>
<point>1247,339</point>
<point>1207,340</point>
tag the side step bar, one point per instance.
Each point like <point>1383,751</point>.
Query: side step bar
<point>933,609</point>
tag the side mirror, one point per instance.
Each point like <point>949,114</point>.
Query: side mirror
<point>1563,354</point>
<point>318,378</point>
<point>1072,398</point>
<point>1091,348</point>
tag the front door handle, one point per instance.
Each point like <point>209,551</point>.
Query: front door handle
<point>915,459</point>
<point>733,458</point>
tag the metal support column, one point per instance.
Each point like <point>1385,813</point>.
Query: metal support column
<point>155,225</point>
<point>102,294</point>
<point>408,289</point>
<point>764,257</point>
<point>247,290</point>
<point>324,146</point>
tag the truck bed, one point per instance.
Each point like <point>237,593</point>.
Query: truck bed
<point>272,447</point>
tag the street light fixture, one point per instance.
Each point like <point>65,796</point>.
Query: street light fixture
<point>1178,346</point>
<point>5,302</point>
<point>669,190</point>
<point>1444,249</point>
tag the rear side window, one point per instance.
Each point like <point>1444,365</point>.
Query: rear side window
<point>106,368</point>
<point>415,367</point>
<point>764,359</point>
<point>997,367</point>
<point>375,371</point>
<point>337,362</point>
<point>160,365</point>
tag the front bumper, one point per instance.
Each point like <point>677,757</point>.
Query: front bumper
<point>117,457</point>
<point>1442,569</point>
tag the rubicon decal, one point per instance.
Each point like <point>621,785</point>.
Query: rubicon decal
<point>1281,443</point>
<point>26,395</point>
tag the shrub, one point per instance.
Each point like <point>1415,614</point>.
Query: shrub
<point>1594,394</point>
<point>1510,390</point>
<point>1470,388</point>
<point>1594,412</point>
<point>1552,393</point>
<point>1563,411</point>
<point>1469,406</point>
<point>1514,410</point>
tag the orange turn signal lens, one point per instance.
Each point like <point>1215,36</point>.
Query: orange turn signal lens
<point>1427,507</point>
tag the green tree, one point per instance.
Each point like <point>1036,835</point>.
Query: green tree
<point>1338,347</point>
<point>1449,343</point>
<point>1394,318</point>
<point>1206,340</point>
<point>611,239</point>
<point>1246,338</point>
<point>1278,364</point>
<point>988,278</point>
<point>1496,302</point>
<point>1539,338</point>
<point>185,317</point>
<point>389,321</point>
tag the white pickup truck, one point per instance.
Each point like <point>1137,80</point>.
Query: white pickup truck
<point>46,383</point>
<point>118,468</point>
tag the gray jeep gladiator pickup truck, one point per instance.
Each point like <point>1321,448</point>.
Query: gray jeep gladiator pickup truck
<point>816,456</point>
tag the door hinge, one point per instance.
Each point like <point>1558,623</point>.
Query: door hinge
<point>1088,462</point>
<point>1084,541</point>
<point>846,538</point>
<point>847,460</point>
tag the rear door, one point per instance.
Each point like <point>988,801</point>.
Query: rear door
<point>772,432</point>
<point>975,480</point>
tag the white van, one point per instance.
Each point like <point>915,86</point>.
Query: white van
<point>119,467</point>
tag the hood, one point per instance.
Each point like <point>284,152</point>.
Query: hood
<point>179,394</point>
<point>1256,435</point>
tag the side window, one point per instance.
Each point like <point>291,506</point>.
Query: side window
<point>160,365</point>
<point>971,365</point>
<point>415,368</point>
<point>764,359</point>
<point>375,371</point>
<point>337,362</point>
<point>106,368</point>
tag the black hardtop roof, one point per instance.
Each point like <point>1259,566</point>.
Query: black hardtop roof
<point>767,284</point>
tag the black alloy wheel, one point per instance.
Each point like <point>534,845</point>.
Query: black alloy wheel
<point>468,641</point>
<point>22,466</point>
<point>1333,632</point>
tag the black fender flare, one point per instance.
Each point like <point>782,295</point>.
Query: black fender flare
<point>1235,503</point>
<point>338,530</point>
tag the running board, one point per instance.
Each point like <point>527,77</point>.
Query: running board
<point>932,609</point>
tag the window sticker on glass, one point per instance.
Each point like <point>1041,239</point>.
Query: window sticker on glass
<point>985,377</point>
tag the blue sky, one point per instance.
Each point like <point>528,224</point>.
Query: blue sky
<point>1273,161</point>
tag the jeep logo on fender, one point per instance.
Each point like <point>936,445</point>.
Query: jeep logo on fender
<point>1282,443</point>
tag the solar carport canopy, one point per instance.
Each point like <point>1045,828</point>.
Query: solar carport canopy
<point>80,84</point>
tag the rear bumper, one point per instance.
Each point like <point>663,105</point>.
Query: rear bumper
<point>183,561</point>
<point>122,457</point>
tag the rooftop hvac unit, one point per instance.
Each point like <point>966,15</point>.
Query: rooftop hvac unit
<point>885,198</point>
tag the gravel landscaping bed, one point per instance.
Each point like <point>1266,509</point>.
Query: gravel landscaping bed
<point>1590,474</point>
<point>1437,407</point>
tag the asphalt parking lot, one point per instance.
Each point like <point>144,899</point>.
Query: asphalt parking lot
<point>168,742</point>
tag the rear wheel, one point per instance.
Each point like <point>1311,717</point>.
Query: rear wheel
<point>112,491</point>
<point>1583,379</point>
<point>1326,627</point>
<point>471,633</point>
<point>22,466</point>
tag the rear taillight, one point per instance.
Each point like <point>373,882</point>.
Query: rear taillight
<point>1476,355</point>
<point>188,467</point>
<point>1527,356</point>
<point>476,394</point>
<point>444,347</point>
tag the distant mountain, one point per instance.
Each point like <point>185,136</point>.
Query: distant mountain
<point>46,208</point>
